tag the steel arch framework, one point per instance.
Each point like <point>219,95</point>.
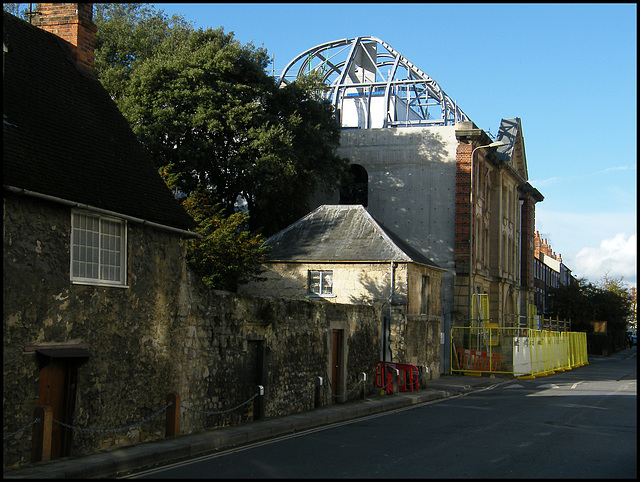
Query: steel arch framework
<point>371,85</point>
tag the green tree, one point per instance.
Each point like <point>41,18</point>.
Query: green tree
<point>227,255</point>
<point>203,103</point>
<point>613,303</point>
<point>570,302</point>
<point>17,9</point>
<point>608,300</point>
<point>127,33</point>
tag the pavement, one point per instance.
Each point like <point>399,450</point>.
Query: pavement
<point>109,464</point>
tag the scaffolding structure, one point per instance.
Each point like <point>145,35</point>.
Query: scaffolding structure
<point>371,85</point>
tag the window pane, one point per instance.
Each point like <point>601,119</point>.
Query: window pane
<point>327,282</point>
<point>314,282</point>
<point>96,246</point>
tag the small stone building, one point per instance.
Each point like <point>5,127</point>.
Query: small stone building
<point>341,254</point>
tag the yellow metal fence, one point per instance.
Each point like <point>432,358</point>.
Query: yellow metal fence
<point>523,352</point>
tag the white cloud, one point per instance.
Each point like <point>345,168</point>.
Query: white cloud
<point>569,232</point>
<point>615,257</point>
<point>554,180</point>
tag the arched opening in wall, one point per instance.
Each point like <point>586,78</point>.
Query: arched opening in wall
<point>355,187</point>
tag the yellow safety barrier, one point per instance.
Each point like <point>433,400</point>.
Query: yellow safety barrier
<point>523,352</point>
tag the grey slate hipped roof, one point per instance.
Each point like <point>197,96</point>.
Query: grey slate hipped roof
<point>341,233</point>
<point>64,137</point>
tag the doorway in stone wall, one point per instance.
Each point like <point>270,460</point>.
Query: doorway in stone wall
<point>58,375</point>
<point>336,363</point>
<point>254,369</point>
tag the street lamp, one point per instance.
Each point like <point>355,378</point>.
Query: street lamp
<point>493,144</point>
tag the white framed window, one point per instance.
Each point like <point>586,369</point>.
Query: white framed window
<point>321,283</point>
<point>98,249</point>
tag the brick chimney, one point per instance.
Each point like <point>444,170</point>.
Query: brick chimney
<point>72,22</point>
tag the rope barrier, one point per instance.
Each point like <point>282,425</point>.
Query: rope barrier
<point>113,430</point>
<point>349,392</point>
<point>37,420</point>
<point>221,412</point>
<point>307,394</point>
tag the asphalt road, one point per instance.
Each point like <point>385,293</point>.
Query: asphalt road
<point>577,424</point>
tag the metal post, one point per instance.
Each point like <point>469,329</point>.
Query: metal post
<point>258,406</point>
<point>363,377</point>
<point>318,393</point>
<point>396,380</point>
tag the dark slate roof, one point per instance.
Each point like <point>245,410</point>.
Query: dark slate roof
<point>64,136</point>
<point>341,233</point>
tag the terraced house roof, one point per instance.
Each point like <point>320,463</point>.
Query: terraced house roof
<point>65,137</point>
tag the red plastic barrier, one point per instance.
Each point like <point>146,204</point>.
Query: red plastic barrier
<point>408,376</point>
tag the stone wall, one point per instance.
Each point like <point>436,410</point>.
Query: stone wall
<point>414,336</point>
<point>164,333</point>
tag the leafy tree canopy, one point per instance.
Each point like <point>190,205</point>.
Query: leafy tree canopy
<point>608,300</point>
<point>17,9</point>
<point>227,254</point>
<point>204,104</point>
<point>128,32</point>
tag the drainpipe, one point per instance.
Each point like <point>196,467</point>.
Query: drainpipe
<point>394,265</point>
<point>520,280</point>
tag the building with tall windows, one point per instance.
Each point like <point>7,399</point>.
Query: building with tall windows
<point>423,168</point>
<point>549,272</point>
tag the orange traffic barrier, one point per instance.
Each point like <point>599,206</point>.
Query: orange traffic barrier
<point>479,360</point>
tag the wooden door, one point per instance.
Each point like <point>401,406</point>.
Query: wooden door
<point>57,388</point>
<point>336,362</point>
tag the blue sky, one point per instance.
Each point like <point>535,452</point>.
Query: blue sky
<point>569,71</point>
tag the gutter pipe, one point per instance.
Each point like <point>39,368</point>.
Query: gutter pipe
<point>46,197</point>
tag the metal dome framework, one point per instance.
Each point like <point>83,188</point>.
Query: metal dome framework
<point>373,86</point>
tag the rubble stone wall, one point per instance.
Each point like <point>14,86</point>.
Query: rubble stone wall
<point>164,333</point>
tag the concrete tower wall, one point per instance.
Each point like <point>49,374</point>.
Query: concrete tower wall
<point>411,190</point>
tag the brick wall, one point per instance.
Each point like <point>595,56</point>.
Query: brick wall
<point>462,212</point>
<point>73,22</point>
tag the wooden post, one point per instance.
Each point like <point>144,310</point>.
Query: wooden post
<point>258,406</point>
<point>41,438</point>
<point>172,425</point>
<point>318,393</point>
